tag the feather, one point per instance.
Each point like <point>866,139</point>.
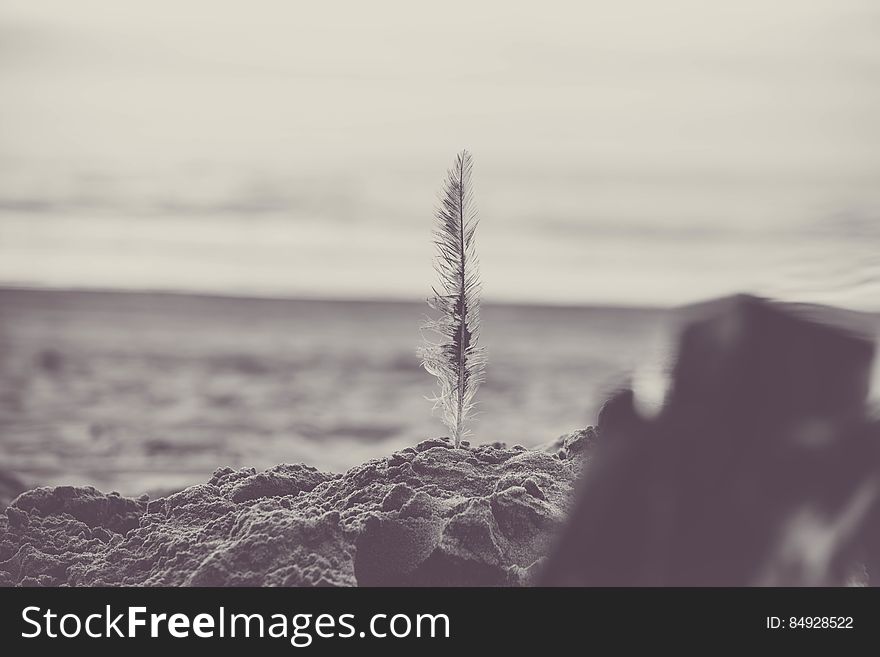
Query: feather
<point>457,361</point>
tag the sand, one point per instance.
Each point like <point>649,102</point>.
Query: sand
<point>425,515</point>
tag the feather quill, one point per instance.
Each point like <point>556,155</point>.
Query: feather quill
<point>457,361</point>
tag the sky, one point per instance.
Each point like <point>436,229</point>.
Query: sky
<point>629,152</point>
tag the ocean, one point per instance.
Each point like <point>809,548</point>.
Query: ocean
<point>145,391</point>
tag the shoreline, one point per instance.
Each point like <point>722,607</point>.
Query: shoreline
<point>172,295</point>
<point>134,391</point>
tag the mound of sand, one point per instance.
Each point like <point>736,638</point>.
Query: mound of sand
<point>427,515</point>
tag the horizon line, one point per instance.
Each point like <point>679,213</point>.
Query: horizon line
<point>342,299</point>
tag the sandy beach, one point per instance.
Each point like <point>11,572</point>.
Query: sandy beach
<point>727,450</point>
<point>140,392</point>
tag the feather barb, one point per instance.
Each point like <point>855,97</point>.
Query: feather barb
<point>457,361</point>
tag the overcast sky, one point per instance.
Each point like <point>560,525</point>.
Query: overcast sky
<point>590,117</point>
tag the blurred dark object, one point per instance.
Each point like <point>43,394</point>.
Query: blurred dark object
<point>761,468</point>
